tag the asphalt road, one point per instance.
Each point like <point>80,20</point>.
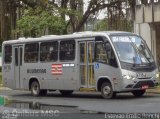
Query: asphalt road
<point>80,105</point>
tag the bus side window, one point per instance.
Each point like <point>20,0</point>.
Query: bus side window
<point>49,51</point>
<point>100,54</point>
<point>67,50</point>
<point>8,54</point>
<point>105,54</point>
<point>31,52</point>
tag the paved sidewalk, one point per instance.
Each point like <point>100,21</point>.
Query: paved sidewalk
<point>4,88</point>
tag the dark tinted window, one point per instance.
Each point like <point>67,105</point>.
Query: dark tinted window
<point>49,51</point>
<point>67,50</point>
<point>21,55</point>
<point>8,54</point>
<point>31,52</point>
<point>101,54</point>
<point>16,56</point>
<point>105,54</point>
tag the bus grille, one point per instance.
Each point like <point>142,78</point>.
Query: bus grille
<point>142,83</point>
<point>145,78</point>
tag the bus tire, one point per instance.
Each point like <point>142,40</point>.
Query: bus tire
<point>138,93</point>
<point>35,88</point>
<point>107,91</point>
<point>66,92</point>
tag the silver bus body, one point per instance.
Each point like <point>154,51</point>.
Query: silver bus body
<point>91,68</point>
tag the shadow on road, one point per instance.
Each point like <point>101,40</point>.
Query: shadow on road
<point>91,96</point>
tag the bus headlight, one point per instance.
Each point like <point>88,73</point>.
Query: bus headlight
<point>128,77</point>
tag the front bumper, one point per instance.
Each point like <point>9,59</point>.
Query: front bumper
<point>149,83</point>
<point>139,84</point>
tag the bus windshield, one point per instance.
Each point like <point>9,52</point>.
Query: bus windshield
<point>132,49</point>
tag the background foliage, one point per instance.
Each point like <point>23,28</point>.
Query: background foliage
<point>33,18</point>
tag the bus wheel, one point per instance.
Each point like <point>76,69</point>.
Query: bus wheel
<point>35,88</point>
<point>138,93</point>
<point>107,91</point>
<point>66,92</point>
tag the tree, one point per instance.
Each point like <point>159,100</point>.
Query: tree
<point>7,19</point>
<point>132,4</point>
<point>74,10</point>
<point>54,12</point>
<point>102,25</point>
<point>36,22</point>
<point>93,7</point>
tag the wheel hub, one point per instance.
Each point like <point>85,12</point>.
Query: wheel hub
<point>35,89</point>
<point>106,90</point>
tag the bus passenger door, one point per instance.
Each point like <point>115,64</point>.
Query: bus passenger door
<point>18,53</point>
<point>86,49</point>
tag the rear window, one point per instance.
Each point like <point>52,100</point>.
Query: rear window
<point>7,54</point>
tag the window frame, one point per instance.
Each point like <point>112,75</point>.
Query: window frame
<point>96,52</point>
<point>41,52</point>
<point>67,40</point>
<point>104,40</point>
<point>31,52</point>
<point>11,54</point>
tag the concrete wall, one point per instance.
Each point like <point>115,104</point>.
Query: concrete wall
<point>157,12</point>
<point>144,31</point>
<point>139,14</point>
<point>147,24</point>
<point>147,13</point>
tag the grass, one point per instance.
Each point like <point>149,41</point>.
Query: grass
<point>155,90</point>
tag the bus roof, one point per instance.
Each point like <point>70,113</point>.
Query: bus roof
<point>75,35</point>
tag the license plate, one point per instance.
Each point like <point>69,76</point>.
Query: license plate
<point>145,87</point>
<point>141,75</point>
